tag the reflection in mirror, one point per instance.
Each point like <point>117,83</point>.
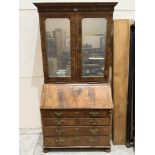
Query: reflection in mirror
<point>93,46</point>
<point>58,46</point>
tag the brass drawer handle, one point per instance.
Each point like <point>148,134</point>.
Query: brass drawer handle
<point>59,131</point>
<point>58,114</point>
<point>94,113</point>
<point>75,9</point>
<point>93,131</point>
<point>93,121</point>
<point>59,122</point>
<point>91,140</point>
<point>59,141</point>
<point>110,114</point>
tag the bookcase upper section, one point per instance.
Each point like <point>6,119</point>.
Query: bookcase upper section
<point>76,40</point>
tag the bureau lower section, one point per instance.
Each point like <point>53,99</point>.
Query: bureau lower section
<point>76,128</point>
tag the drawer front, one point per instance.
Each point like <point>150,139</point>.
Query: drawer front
<point>75,122</point>
<point>77,141</point>
<point>77,130</point>
<point>75,113</point>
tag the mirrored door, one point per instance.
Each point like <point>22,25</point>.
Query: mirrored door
<point>75,47</point>
<point>58,47</point>
<point>93,52</point>
<point>93,46</point>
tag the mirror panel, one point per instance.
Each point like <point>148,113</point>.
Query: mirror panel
<point>58,47</point>
<point>93,46</point>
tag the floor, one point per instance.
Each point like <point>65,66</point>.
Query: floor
<point>31,144</point>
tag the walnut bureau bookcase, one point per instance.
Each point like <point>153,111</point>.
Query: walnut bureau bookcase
<point>76,103</point>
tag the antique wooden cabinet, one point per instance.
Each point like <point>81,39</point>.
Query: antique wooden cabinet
<point>76,40</point>
<point>76,116</point>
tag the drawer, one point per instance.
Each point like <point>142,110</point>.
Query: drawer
<point>76,122</point>
<point>48,113</point>
<point>77,130</point>
<point>77,141</point>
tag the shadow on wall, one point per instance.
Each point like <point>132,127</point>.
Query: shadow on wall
<point>37,81</point>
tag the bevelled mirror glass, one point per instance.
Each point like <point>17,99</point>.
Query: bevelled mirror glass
<point>58,47</point>
<point>93,46</point>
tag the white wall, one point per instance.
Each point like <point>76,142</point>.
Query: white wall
<point>30,69</point>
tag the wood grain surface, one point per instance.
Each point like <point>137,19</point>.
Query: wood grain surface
<point>76,130</point>
<point>120,78</point>
<point>75,113</point>
<point>74,122</point>
<point>76,96</point>
<point>77,141</point>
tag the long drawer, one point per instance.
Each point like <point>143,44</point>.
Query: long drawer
<point>76,130</point>
<point>48,113</point>
<point>77,141</point>
<point>75,122</point>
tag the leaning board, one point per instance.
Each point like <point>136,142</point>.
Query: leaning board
<point>120,78</point>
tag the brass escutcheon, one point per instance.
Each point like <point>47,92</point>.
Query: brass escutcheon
<point>59,121</point>
<point>93,131</point>
<point>93,121</point>
<point>94,113</point>
<point>76,129</point>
